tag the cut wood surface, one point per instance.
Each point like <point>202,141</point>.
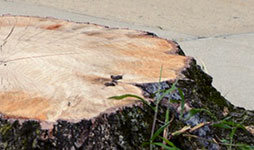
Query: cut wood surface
<point>53,69</point>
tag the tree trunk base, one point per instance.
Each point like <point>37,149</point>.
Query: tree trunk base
<point>129,127</point>
<point>56,77</point>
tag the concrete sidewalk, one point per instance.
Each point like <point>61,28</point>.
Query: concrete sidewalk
<point>219,34</point>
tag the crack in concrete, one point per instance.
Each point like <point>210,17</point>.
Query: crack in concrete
<point>212,37</point>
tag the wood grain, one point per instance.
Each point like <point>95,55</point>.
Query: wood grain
<point>54,69</point>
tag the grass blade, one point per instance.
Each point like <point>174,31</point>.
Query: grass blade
<point>167,141</point>
<point>165,132</point>
<point>157,133</point>
<point>165,146</point>
<point>222,125</point>
<point>245,147</point>
<point>160,73</point>
<point>156,111</point>
<point>133,96</point>
<point>145,143</point>
<point>194,111</point>
<point>228,125</point>
<point>167,115</point>
<point>182,102</point>
<point>166,92</point>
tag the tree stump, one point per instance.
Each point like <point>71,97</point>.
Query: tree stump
<point>57,76</point>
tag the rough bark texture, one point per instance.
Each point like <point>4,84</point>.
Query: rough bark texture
<point>129,126</point>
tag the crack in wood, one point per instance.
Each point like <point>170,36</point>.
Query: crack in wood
<point>7,37</point>
<point>39,56</point>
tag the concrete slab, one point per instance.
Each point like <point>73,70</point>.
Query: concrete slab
<point>23,8</point>
<point>195,17</point>
<point>220,34</point>
<point>230,61</point>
